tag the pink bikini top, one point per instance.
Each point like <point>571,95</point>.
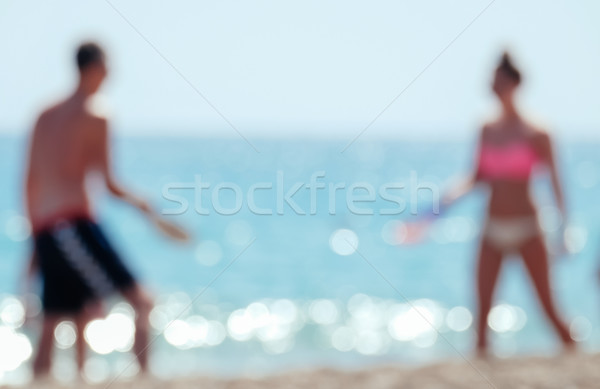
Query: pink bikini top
<point>514,161</point>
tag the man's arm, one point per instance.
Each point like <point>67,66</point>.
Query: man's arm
<point>104,166</point>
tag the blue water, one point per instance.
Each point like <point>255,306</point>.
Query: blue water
<point>291,258</point>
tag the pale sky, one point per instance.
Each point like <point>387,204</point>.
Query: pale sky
<point>305,68</point>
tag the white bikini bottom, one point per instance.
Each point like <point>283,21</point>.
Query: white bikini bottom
<point>509,234</point>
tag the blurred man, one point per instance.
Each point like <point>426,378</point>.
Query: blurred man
<point>77,264</point>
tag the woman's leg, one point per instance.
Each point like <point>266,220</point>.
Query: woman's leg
<point>536,261</point>
<point>490,259</point>
<point>43,358</point>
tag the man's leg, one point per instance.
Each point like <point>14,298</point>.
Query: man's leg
<point>142,303</point>
<point>43,358</point>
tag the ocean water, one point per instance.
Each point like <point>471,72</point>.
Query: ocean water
<point>326,283</point>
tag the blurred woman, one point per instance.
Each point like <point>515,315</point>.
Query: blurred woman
<point>510,148</point>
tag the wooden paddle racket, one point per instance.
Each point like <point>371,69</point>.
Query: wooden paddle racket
<point>170,229</point>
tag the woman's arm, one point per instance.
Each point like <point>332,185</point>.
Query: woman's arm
<point>548,157</point>
<point>547,153</point>
<point>466,185</point>
<point>415,231</point>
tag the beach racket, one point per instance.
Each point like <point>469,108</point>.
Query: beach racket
<point>414,230</point>
<point>170,229</point>
<point>407,233</point>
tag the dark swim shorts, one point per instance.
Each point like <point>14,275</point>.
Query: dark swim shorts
<point>78,266</point>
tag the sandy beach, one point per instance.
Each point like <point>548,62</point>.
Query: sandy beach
<point>568,371</point>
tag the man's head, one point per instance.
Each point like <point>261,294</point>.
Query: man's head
<point>92,66</point>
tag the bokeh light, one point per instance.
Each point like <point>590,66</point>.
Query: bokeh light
<point>115,333</point>
<point>209,253</point>
<point>65,334</point>
<point>343,241</point>
<point>14,350</point>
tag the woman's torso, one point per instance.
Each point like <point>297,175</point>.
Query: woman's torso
<point>509,153</point>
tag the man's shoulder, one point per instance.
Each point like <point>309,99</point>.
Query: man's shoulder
<point>96,127</point>
<point>97,121</point>
<point>50,111</point>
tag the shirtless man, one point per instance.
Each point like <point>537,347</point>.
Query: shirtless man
<point>78,266</point>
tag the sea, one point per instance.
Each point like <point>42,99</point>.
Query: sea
<point>302,257</point>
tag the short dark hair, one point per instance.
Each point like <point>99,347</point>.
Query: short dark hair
<point>508,67</point>
<point>89,53</point>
